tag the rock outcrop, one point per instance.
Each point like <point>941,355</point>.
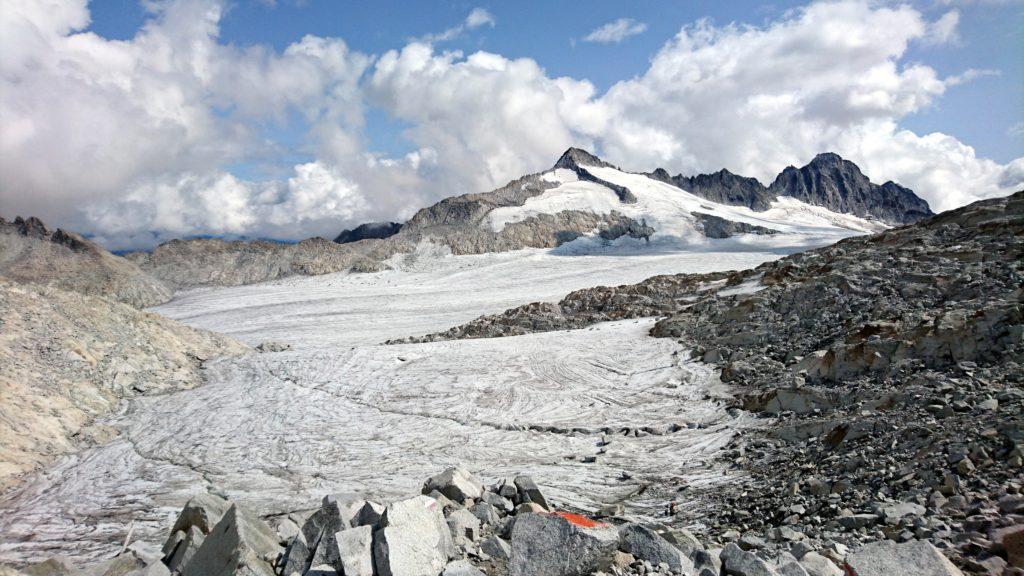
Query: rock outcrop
<point>839,185</point>
<point>31,253</point>
<point>723,187</point>
<point>67,358</point>
<point>369,231</point>
<point>828,181</point>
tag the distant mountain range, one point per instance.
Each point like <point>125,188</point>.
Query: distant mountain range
<point>580,196</point>
<point>828,181</point>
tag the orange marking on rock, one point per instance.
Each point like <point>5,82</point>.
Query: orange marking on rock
<point>580,520</point>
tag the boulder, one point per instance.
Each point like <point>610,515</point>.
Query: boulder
<point>337,512</point>
<point>464,526</point>
<point>185,548</point>
<point>455,483</point>
<point>645,544</point>
<point>738,562</point>
<point>202,511</point>
<point>679,537</point>
<point>460,568</point>
<point>709,560</point>
<point>915,558</point>
<point>355,551</point>
<point>528,491</point>
<point>560,545</point>
<point>500,503</point>
<point>485,513</point>
<point>818,565</point>
<point>238,545</point>
<point>296,556</point>
<point>495,548</point>
<point>792,568</point>
<point>413,539</point>
<point>369,514</point>
<point>129,563</point>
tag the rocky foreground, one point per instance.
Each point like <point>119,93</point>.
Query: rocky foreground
<point>889,372</point>
<point>460,527</point>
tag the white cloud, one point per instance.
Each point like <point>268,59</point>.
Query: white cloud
<point>615,32</point>
<point>944,30</point>
<point>133,140</point>
<point>755,99</point>
<point>477,17</point>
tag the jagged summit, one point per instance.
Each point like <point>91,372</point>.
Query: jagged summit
<point>573,158</point>
<point>828,180</point>
<point>839,185</point>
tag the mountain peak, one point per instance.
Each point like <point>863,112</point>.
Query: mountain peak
<point>575,157</point>
<point>827,158</point>
<point>839,185</point>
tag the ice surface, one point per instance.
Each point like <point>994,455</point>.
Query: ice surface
<point>341,412</point>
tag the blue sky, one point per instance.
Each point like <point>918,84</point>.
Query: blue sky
<point>979,113</point>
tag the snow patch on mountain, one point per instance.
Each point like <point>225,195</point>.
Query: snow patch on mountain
<point>670,210</point>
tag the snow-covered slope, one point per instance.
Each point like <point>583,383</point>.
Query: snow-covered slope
<point>670,210</point>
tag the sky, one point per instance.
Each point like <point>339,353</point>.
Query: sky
<point>138,122</point>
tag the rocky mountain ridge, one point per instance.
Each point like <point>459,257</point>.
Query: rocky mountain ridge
<point>828,181</point>
<point>29,252</point>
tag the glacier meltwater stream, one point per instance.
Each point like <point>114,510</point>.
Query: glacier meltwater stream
<point>341,412</point>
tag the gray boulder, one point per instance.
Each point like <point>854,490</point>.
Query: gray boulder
<point>485,513</point>
<point>369,514</point>
<point>238,545</point>
<point>355,551</point>
<point>551,545</point>
<point>528,491</point>
<point>818,565</point>
<point>413,539</point>
<point>645,544</point>
<point>737,562</point>
<point>456,483</point>
<point>460,568</point>
<point>464,527</point>
<point>496,548</point>
<point>185,549</point>
<point>202,511</point>
<point>915,558</point>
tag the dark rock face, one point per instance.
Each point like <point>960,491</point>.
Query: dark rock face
<point>378,230</point>
<point>725,187</point>
<point>717,227</point>
<point>576,160</point>
<point>840,186</point>
<point>828,181</point>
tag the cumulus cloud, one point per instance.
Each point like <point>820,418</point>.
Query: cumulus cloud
<point>755,99</point>
<point>616,31</point>
<point>134,141</point>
